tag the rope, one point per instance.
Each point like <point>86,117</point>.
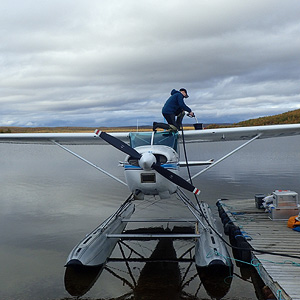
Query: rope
<point>278,294</point>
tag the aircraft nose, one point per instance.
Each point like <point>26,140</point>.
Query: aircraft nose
<point>146,161</point>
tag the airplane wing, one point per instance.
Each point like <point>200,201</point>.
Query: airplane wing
<point>61,138</point>
<point>240,133</point>
<point>190,136</point>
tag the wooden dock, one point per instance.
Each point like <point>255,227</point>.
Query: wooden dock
<point>281,274</point>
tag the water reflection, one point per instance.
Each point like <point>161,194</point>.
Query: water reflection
<point>161,279</point>
<point>163,276</point>
<point>249,273</point>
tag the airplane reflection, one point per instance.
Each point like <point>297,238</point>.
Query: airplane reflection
<point>160,278</point>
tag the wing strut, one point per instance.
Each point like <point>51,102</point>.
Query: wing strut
<point>227,155</point>
<point>88,162</point>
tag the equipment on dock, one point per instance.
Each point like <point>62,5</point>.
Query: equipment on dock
<point>285,204</point>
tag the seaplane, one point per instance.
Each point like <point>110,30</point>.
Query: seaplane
<point>152,169</point>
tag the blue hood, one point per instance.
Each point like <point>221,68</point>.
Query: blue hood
<point>174,92</point>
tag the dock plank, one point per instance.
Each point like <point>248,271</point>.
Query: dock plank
<point>281,274</point>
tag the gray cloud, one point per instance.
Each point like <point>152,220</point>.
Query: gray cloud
<point>105,63</point>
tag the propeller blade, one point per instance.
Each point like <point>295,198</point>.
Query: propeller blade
<point>175,179</point>
<point>118,144</point>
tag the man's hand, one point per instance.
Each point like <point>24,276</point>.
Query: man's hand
<point>191,114</point>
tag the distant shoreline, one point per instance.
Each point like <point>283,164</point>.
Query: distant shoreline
<point>290,117</point>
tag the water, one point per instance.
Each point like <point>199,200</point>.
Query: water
<point>50,200</point>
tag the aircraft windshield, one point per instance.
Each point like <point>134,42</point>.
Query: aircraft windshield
<point>160,138</point>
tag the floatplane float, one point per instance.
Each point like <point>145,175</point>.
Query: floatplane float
<point>151,168</point>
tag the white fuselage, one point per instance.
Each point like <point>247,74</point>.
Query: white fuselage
<point>141,179</point>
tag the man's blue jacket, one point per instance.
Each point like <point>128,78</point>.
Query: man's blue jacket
<point>174,104</point>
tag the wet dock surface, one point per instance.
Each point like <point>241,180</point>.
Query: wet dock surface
<point>280,273</point>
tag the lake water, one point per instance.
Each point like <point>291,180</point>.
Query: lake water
<point>50,200</point>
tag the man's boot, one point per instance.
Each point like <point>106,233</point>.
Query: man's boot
<point>160,125</point>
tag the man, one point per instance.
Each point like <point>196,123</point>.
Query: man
<point>175,108</point>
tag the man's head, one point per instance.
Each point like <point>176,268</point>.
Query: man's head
<point>184,92</point>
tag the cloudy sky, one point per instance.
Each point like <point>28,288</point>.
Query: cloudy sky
<point>114,62</point>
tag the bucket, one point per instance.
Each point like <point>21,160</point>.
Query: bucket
<point>198,126</point>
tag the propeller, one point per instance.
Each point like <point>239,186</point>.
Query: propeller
<point>147,161</point>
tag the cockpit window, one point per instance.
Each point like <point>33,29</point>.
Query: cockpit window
<point>160,138</point>
<point>139,139</point>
